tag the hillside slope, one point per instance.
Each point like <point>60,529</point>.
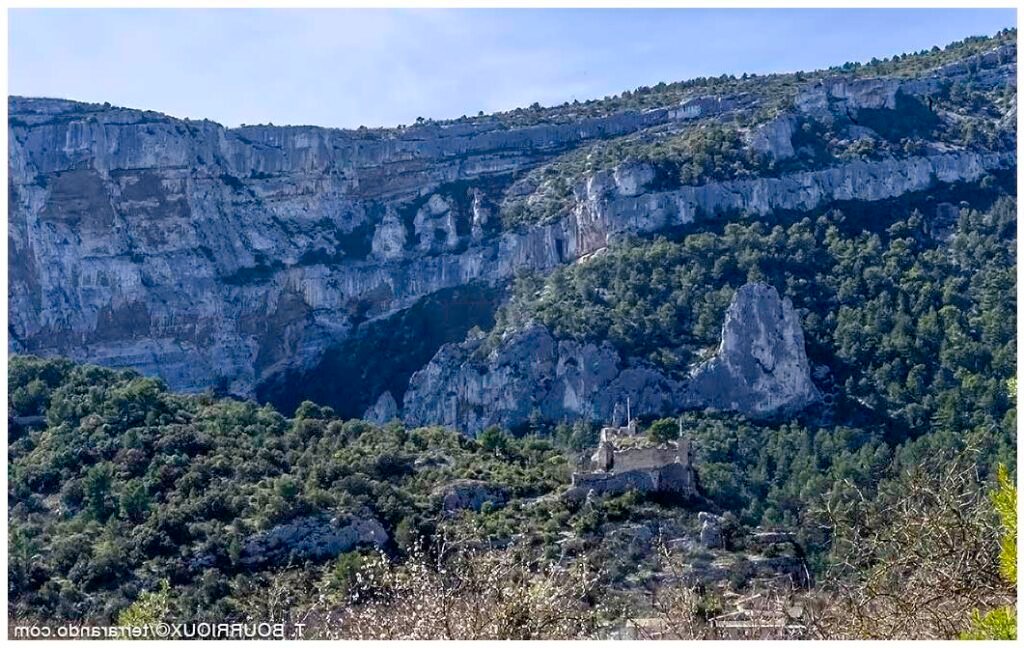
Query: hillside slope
<point>810,277</point>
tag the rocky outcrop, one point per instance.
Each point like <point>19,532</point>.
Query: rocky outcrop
<point>710,530</point>
<point>226,258</point>
<point>774,139</point>
<point>217,257</point>
<point>761,366</point>
<point>838,95</point>
<point>604,214</point>
<point>314,537</point>
<point>384,410</point>
<point>760,370</point>
<point>531,373</point>
<point>471,494</point>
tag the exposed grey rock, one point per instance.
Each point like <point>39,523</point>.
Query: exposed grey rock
<point>1005,55</point>
<point>312,538</point>
<point>632,179</point>
<point>212,256</point>
<point>703,107</point>
<point>606,214</point>
<point>384,410</point>
<point>760,370</point>
<point>471,494</point>
<point>711,530</point>
<point>639,536</point>
<point>839,94</point>
<point>221,257</point>
<point>774,138</point>
<point>389,239</point>
<point>761,367</point>
<point>483,216</point>
<point>436,225</point>
<point>530,371</point>
<point>1008,122</point>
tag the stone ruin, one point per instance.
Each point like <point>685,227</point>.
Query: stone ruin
<point>622,462</point>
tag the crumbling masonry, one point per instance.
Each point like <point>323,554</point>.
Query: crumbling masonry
<point>618,465</point>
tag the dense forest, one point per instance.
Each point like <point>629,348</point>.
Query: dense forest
<point>917,333</point>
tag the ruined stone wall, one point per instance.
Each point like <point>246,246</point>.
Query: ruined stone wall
<point>671,478</point>
<point>644,481</point>
<point>643,458</point>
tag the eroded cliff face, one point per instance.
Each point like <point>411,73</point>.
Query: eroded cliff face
<point>240,259</point>
<point>760,370</point>
<point>528,374</point>
<point>761,366</point>
<point>214,256</point>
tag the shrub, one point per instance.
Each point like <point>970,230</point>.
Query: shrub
<point>663,430</point>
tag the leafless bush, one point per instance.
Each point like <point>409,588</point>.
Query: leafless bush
<point>915,560</point>
<point>461,593</point>
<point>680,610</point>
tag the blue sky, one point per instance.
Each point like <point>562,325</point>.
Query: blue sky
<point>347,67</point>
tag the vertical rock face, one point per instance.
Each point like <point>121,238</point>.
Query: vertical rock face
<point>217,257</point>
<point>761,367</point>
<point>760,370</point>
<point>384,410</point>
<point>230,258</point>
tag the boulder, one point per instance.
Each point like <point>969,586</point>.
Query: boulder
<point>710,530</point>
<point>314,537</point>
<point>469,494</point>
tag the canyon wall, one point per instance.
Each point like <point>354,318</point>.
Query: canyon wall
<point>238,258</point>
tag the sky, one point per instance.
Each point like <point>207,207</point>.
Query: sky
<point>383,67</point>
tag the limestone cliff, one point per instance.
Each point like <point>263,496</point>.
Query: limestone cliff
<point>250,259</point>
<point>761,367</point>
<point>760,370</point>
